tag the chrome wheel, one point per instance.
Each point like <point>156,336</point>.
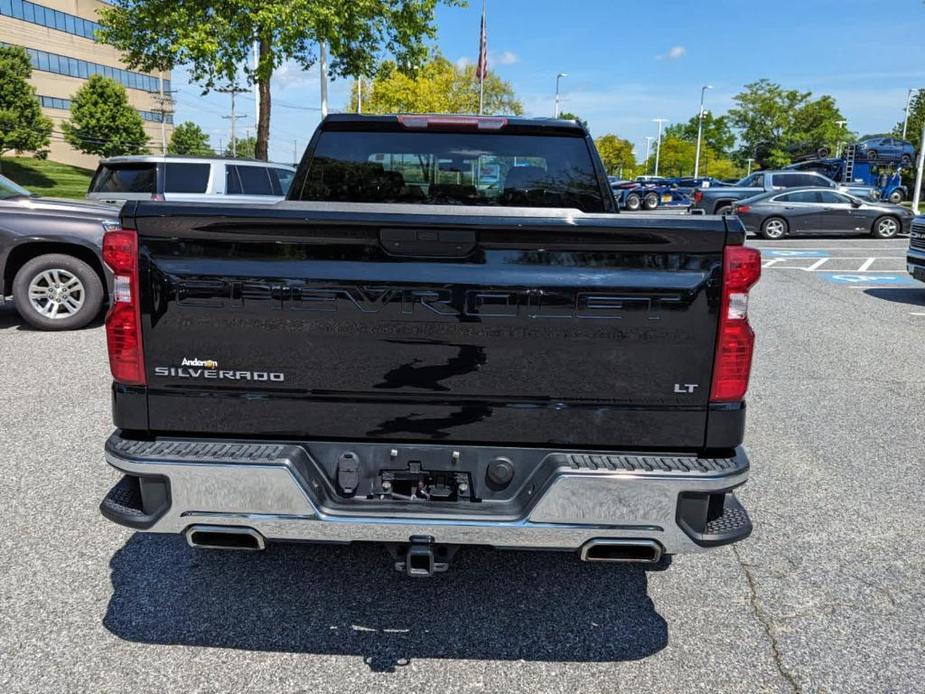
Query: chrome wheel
<point>775,228</point>
<point>887,227</point>
<point>56,294</point>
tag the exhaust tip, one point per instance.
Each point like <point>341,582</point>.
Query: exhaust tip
<point>622,551</point>
<point>224,537</point>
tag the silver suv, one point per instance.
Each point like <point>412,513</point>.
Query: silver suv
<point>189,179</point>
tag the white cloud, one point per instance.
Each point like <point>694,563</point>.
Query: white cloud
<point>503,58</point>
<point>291,74</point>
<point>494,59</point>
<point>673,53</point>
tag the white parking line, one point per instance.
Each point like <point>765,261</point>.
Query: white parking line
<point>840,264</point>
<point>818,264</point>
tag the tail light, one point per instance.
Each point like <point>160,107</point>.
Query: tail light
<point>735,339</point>
<point>123,322</point>
<point>741,209</point>
<point>698,195</point>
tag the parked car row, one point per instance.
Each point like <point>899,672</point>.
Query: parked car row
<point>50,250</point>
<point>776,214</point>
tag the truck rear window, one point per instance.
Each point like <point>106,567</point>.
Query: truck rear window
<point>441,168</point>
<point>125,178</point>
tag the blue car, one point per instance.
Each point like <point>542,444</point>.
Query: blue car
<point>886,149</point>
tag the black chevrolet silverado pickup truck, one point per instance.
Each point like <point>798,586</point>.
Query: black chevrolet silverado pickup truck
<point>445,336</point>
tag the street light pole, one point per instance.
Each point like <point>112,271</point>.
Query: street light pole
<point>558,77</point>
<point>323,65</point>
<point>842,125</point>
<point>917,195</point>
<point>649,139</point>
<point>703,91</point>
<point>749,160</point>
<point>658,142</point>
<point>906,119</point>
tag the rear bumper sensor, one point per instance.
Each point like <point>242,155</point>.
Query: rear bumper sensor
<point>613,506</point>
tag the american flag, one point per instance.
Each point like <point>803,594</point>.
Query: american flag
<point>481,70</point>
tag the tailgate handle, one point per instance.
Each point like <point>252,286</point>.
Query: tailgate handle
<point>428,243</point>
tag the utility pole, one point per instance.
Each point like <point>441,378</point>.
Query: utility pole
<point>749,160</point>
<point>658,143</point>
<point>295,152</point>
<point>323,64</point>
<point>164,108</point>
<point>917,195</point>
<point>649,139</point>
<point>359,95</point>
<point>234,90</point>
<point>703,90</point>
<point>559,77</point>
<point>906,119</point>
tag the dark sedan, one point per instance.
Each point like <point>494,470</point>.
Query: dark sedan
<point>776,214</point>
<point>886,148</point>
<point>50,257</point>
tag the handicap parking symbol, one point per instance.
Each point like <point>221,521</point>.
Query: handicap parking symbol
<point>802,253</point>
<point>871,278</point>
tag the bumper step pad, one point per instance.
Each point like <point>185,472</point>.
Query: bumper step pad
<point>124,500</point>
<point>635,463</point>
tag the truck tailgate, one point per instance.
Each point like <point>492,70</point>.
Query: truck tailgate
<point>358,321</point>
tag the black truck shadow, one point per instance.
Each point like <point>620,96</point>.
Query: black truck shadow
<point>348,600</point>
<point>913,296</point>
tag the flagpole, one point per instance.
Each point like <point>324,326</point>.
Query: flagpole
<point>483,66</point>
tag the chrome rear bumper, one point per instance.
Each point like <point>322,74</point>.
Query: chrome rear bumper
<point>281,492</point>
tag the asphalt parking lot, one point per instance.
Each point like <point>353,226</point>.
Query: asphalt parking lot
<point>828,595</point>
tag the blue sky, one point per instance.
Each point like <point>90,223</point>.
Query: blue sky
<point>630,62</point>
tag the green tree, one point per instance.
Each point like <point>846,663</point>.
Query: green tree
<point>439,86</point>
<point>775,124</point>
<point>616,154</point>
<point>23,128</point>
<point>717,132</point>
<point>245,148</point>
<point>188,138</point>
<point>568,115</point>
<point>215,38</point>
<point>102,122</point>
<point>677,159</point>
<point>916,120</point>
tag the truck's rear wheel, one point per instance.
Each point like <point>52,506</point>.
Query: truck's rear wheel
<point>896,197</point>
<point>633,202</point>
<point>57,292</point>
<point>650,202</point>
